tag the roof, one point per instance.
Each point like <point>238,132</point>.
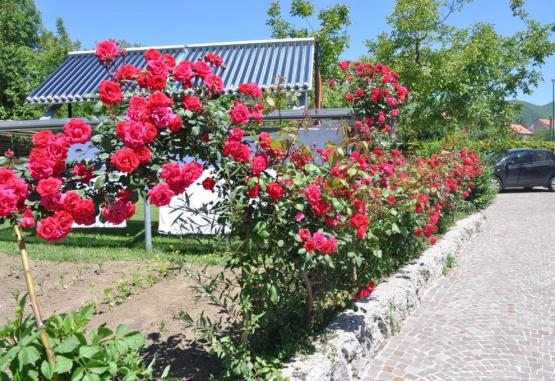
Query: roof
<point>261,61</point>
<point>520,129</point>
<point>543,120</point>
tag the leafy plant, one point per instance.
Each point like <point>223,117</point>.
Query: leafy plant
<point>99,355</point>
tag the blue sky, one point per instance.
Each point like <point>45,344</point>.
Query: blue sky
<point>167,22</point>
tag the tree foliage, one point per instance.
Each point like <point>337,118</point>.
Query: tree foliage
<point>460,78</point>
<point>331,35</point>
<point>28,53</point>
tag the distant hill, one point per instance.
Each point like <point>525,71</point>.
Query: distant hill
<point>530,112</point>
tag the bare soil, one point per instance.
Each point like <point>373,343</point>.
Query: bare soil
<point>152,310</point>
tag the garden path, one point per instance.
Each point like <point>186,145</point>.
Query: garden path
<point>493,316</point>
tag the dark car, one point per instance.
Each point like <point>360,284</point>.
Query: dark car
<point>524,168</point>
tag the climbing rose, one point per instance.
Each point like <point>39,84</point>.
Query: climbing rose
<point>253,191</point>
<point>55,227</point>
<point>275,191</point>
<point>259,163</point>
<point>208,183</point>
<point>84,212</point>
<point>125,160</point>
<point>152,54</point>
<point>304,234</point>
<point>8,202</point>
<point>215,59</point>
<point>107,51</point>
<point>49,187</point>
<point>27,220</point>
<point>77,131</point>
<point>143,154</point>
<point>184,72</point>
<point>42,138</point>
<point>202,69</point>
<point>192,103</point>
<point>366,292</point>
<point>251,89</point>
<point>118,211</point>
<point>127,73</point>
<point>110,92</point>
<point>239,113</point>
<point>160,195</point>
<point>214,83</point>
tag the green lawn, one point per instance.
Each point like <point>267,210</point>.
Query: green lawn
<point>102,244</point>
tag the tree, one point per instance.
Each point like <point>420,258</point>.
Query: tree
<point>332,35</point>
<point>460,78</point>
<point>28,53</point>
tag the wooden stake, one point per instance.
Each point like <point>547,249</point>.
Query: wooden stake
<point>33,295</point>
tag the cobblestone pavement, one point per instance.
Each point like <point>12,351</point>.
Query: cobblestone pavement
<point>493,316</point>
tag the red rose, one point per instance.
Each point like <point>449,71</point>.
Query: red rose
<point>125,160</point>
<point>254,191</point>
<point>84,212</point>
<point>49,187</point>
<point>215,59</point>
<point>107,51</point>
<point>9,154</point>
<point>239,113</point>
<point>77,131</point>
<point>259,163</point>
<point>152,54</point>
<point>118,211</point>
<point>160,195</point>
<point>158,67</point>
<point>8,202</point>
<point>309,245</point>
<point>28,219</point>
<point>156,82</point>
<point>169,60</point>
<point>110,92</point>
<point>184,73</point>
<point>143,153</point>
<point>304,234</point>
<point>214,83</point>
<point>127,73</point>
<point>191,172</point>
<point>42,138</point>
<point>208,183</point>
<point>251,89</point>
<point>55,227</point>
<point>159,99</point>
<point>202,69</point>
<point>192,103</point>
<point>275,191</point>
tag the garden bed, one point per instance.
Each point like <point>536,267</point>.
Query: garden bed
<point>348,343</point>
<point>152,309</point>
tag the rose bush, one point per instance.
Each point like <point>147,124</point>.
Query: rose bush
<point>311,228</point>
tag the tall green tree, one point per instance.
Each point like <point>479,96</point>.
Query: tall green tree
<point>331,34</point>
<point>28,54</point>
<point>460,78</point>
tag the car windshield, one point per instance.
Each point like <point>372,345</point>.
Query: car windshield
<point>494,157</point>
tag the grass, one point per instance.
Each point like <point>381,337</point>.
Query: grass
<point>120,244</point>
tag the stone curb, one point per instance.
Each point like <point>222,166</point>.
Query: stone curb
<point>348,344</point>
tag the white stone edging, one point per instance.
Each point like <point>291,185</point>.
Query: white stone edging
<point>351,340</point>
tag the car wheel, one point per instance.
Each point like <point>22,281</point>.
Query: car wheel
<point>496,181</point>
<point>551,185</point>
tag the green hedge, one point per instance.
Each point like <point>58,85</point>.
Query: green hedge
<point>425,148</point>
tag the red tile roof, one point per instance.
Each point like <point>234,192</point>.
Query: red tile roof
<point>520,129</point>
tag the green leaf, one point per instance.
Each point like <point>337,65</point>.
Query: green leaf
<point>28,355</point>
<point>63,364</point>
<point>273,294</point>
<point>46,370</point>
<point>68,345</point>
<point>77,374</point>
<point>121,330</point>
<point>135,340</point>
<point>89,352</point>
